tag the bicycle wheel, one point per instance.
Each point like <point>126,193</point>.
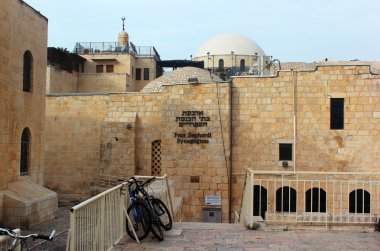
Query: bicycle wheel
<point>155,227</point>
<point>155,224</point>
<point>138,214</point>
<point>162,213</point>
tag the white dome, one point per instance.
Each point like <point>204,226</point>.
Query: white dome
<point>224,44</point>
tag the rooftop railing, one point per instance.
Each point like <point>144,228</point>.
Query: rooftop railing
<point>115,47</point>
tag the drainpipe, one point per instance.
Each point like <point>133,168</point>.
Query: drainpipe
<point>230,169</point>
<point>294,119</point>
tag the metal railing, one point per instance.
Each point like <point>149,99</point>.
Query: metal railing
<point>115,47</point>
<point>311,197</point>
<point>6,241</point>
<point>99,222</point>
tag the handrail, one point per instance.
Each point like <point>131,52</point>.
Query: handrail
<point>99,222</point>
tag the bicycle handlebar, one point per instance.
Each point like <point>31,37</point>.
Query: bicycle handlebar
<point>133,180</point>
<point>9,232</point>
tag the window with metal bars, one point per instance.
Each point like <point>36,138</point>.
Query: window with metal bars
<point>25,152</point>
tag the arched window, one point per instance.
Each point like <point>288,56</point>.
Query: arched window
<point>315,200</point>
<point>28,72</point>
<point>25,152</point>
<point>221,64</point>
<point>242,65</point>
<point>360,201</point>
<point>156,158</point>
<point>286,199</point>
<point>259,201</point>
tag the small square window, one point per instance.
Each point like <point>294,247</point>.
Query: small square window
<point>286,152</point>
<point>99,68</point>
<point>109,68</point>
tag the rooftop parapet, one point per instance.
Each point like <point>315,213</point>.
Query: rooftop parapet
<point>115,48</point>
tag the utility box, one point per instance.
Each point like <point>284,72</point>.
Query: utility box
<point>212,214</point>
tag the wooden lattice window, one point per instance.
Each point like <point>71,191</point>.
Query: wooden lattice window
<point>156,157</point>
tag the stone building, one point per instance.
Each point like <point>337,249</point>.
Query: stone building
<point>103,67</point>
<point>23,41</point>
<point>204,133</point>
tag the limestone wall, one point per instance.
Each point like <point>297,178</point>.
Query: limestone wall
<point>5,86</point>
<point>72,142</point>
<point>263,118</point>
<point>59,81</point>
<point>21,109</point>
<point>183,157</point>
<point>103,82</point>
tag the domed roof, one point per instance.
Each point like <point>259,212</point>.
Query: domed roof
<point>224,44</point>
<point>181,76</point>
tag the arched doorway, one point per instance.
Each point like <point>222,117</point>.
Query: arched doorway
<point>316,200</point>
<point>286,199</point>
<point>360,201</point>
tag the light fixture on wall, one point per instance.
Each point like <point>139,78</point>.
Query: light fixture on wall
<point>285,164</point>
<point>129,126</point>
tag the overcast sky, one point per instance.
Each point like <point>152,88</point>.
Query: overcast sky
<point>290,30</point>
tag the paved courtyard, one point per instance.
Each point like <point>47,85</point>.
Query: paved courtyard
<point>221,237</point>
<point>196,236</point>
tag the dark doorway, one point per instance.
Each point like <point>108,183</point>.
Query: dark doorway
<point>286,199</point>
<point>259,201</point>
<point>360,201</point>
<point>316,200</point>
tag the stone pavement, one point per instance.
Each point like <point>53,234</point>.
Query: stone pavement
<point>218,237</point>
<point>224,237</point>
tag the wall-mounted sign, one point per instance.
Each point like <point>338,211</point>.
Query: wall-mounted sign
<point>213,200</point>
<point>192,119</point>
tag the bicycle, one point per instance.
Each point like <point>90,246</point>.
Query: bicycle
<point>146,210</point>
<point>19,239</point>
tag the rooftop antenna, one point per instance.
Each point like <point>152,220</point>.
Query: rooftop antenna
<point>123,18</point>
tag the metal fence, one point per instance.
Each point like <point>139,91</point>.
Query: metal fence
<point>115,47</point>
<point>311,197</point>
<point>6,241</point>
<point>100,222</point>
